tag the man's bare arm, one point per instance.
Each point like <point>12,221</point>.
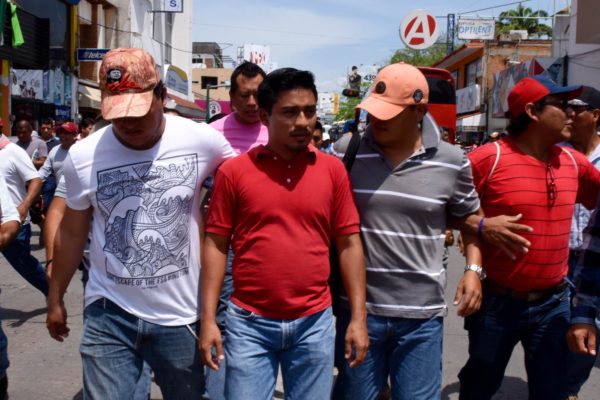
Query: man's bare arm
<point>353,273</point>
<point>8,231</point>
<point>69,243</point>
<point>55,214</point>
<point>38,162</point>
<point>214,260</point>
<point>34,187</point>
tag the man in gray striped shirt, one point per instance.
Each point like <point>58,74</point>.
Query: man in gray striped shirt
<point>406,183</point>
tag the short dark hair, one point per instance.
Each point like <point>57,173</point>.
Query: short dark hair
<point>319,126</point>
<point>158,89</point>
<point>282,80</point>
<point>46,121</point>
<point>247,69</point>
<point>520,123</point>
<point>86,122</point>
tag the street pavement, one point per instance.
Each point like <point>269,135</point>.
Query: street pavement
<point>42,368</point>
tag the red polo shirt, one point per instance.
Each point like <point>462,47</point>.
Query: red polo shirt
<point>281,216</point>
<point>522,184</point>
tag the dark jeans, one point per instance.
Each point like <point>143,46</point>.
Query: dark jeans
<point>18,254</point>
<point>215,380</point>
<point>579,366</point>
<point>494,331</point>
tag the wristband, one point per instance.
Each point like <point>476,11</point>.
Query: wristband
<point>480,228</point>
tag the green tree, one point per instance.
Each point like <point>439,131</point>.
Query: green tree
<point>420,58</point>
<point>523,18</point>
<point>346,109</point>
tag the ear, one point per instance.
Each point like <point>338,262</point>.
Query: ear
<point>264,116</point>
<point>596,115</point>
<point>532,111</point>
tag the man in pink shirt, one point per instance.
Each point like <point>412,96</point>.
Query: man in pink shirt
<point>244,130</point>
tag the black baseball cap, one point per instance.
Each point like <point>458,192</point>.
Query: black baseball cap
<point>589,97</point>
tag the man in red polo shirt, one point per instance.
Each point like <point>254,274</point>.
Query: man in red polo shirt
<point>279,204</point>
<point>525,297</point>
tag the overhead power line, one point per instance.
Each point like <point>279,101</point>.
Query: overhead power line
<point>491,8</point>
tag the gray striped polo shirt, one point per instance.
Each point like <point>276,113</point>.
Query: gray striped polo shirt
<point>403,219</point>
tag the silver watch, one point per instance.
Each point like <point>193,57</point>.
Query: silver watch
<point>478,269</point>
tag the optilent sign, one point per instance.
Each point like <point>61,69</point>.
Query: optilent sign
<point>419,30</point>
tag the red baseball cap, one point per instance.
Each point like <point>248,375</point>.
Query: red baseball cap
<point>534,88</point>
<point>70,127</point>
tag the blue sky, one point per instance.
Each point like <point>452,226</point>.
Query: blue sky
<point>327,36</point>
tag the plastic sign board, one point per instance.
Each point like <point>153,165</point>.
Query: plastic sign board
<point>173,6</point>
<point>419,30</point>
<point>91,54</point>
<point>476,29</point>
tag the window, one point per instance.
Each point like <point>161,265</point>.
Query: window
<point>473,72</point>
<point>208,80</point>
<point>169,17</point>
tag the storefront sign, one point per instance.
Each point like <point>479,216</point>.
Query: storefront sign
<point>91,54</point>
<point>27,83</point>
<point>177,80</point>
<point>476,29</point>
<point>419,30</point>
<point>173,6</point>
<point>468,99</point>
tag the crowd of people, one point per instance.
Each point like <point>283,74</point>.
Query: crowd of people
<point>206,247</point>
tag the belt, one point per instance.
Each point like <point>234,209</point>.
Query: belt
<point>533,295</point>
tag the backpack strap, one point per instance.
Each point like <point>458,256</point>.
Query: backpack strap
<point>351,151</point>
<point>572,159</point>
<point>494,165</point>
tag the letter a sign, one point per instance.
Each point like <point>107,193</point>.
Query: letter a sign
<point>419,30</point>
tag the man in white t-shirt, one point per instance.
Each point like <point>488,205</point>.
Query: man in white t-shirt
<point>9,226</point>
<point>140,179</point>
<point>24,187</point>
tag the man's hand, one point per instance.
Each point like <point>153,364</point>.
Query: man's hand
<point>210,337</point>
<point>23,210</point>
<point>56,320</point>
<point>468,294</point>
<point>356,342</point>
<point>581,338</point>
<point>500,231</point>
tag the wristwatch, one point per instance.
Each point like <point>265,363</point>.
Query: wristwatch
<point>478,269</point>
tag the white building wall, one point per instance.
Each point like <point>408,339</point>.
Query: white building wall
<point>584,59</point>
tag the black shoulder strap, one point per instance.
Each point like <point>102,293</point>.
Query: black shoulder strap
<point>351,151</point>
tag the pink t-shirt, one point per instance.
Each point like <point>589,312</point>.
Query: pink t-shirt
<point>242,137</point>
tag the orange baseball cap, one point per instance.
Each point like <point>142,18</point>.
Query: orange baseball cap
<point>127,79</point>
<point>396,87</point>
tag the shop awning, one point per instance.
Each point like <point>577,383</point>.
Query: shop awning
<point>185,107</point>
<point>471,122</point>
<point>89,97</point>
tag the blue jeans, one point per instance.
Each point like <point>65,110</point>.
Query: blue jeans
<point>3,353</point>
<point>579,366</point>
<point>494,331</point>
<point>215,380</point>
<point>398,347</point>
<point>18,254</point>
<point>256,346</point>
<point>115,345</point>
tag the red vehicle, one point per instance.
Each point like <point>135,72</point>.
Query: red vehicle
<point>442,99</point>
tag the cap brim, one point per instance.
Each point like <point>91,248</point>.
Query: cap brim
<point>569,92</point>
<point>380,109</point>
<point>126,105</point>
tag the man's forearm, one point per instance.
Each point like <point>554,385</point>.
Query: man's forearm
<point>34,187</point>
<point>353,273</point>
<point>8,231</point>
<point>214,261</point>
<point>53,217</point>
<point>69,244</point>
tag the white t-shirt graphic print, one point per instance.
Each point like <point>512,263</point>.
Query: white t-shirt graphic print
<point>144,252</point>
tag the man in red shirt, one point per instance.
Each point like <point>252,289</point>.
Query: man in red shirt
<point>279,204</point>
<point>525,298</point>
